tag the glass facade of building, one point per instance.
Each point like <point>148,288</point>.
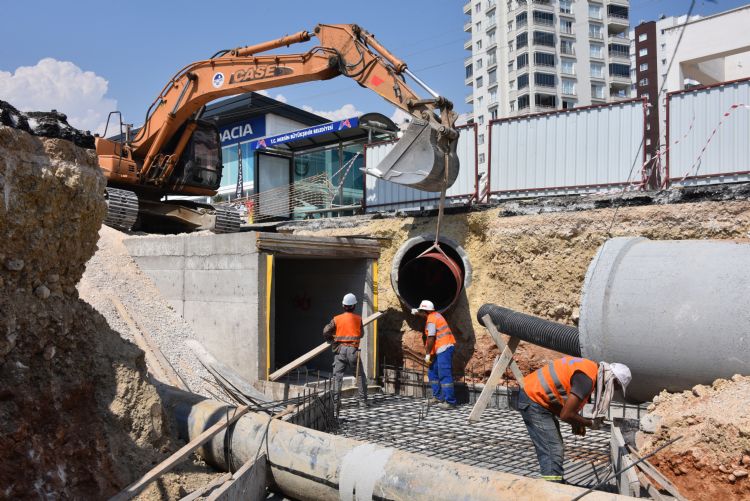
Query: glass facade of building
<point>332,161</point>
<point>229,157</point>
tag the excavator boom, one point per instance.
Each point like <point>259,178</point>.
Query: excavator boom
<point>153,160</point>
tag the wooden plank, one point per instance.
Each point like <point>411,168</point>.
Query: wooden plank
<point>501,344</point>
<point>248,483</point>
<point>652,472</point>
<point>651,489</point>
<point>315,352</point>
<point>627,482</point>
<point>161,367</point>
<point>207,488</point>
<point>497,373</point>
<point>133,489</point>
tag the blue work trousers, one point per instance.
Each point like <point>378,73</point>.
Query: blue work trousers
<point>440,374</point>
<point>544,430</point>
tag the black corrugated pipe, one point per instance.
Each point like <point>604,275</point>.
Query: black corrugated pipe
<point>535,330</point>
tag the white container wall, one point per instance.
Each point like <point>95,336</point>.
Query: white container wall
<point>579,151</point>
<point>381,196</point>
<point>693,116</point>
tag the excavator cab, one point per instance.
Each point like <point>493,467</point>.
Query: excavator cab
<point>423,158</point>
<point>200,165</point>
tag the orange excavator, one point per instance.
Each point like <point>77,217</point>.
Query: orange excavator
<point>176,153</point>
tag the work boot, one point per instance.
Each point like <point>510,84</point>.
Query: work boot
<point>446,406</point>
<point>433,401</point>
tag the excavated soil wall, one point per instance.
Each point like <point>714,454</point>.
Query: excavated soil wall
<point>78,418</point>
<point>531,263</point>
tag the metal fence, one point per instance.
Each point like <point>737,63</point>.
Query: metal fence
<point>381,196</point>
<point>708,134</point>
<point>582,150</point>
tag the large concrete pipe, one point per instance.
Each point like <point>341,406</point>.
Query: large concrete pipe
<point>310,465</point>
<point>677,312</point>
<point>437,276</point>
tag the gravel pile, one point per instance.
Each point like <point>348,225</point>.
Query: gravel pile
<point>112,272</point>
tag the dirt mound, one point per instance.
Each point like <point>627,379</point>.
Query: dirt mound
<point>78,419</point>
<point>531,263</point>
<point>712,460</point>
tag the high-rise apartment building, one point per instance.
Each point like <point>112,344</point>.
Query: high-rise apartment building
<point>531,56</point>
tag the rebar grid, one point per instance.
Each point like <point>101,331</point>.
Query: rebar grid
<point>499,441</point>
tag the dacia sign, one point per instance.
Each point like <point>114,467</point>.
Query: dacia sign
<point>242,131</point>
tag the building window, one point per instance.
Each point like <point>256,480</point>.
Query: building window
<point>595,31</point>
<point>511,84</point>
<point>493,95</point>
<point>523,102</point>
<point>596,50</point>
<point>643,66</point>
<point>619,70</point>
<point>647,96</point>
<point>491,58</point>
<point>544,59</point>
<point>643,82</point>
<point>480,139</point>
<point>566,47</point>
<point>597,70</point>
<point>565,7</point>
<point>491,37</point>
<point>510,26</point>
<point>545,100</point>
<point>479,82</point>
<point>493,114</point>
<point>595,11</point>
<point>544,79</point>
<point>648,142</point>
<point>568,87</point>
<point>523,81</point>
<point>512,106</point>
<point>522,40</point>
<point>478,7</point>
<point>544,38</point>
<point>566,26</point>
<point>510,66</point>
<point>479,45</point>
<point>619,50</point>
<point>642,37</point>
<point>480,101</point>
<point>480,119</point>
<point>643,52</point>
<point>522,20</point>
<point>469,71</point>
<point>492,77</point>
<point>566,105</point>
<point>478,26</point>
<point>479,63</point>
<point>481,158</point>
<point>597,91</point>
<point>567,67</point>
<point>543,18</point>
<point>522,61</point>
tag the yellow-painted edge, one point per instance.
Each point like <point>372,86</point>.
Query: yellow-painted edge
<point>375,323</point>
<point>269,289</point>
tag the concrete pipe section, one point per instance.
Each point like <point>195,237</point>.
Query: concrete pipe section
<point>434,276</point>
<point>306,464</point>
<point>676,312</point>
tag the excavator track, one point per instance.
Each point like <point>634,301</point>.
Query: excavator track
<point>122,209</point>
<point>227,221</point>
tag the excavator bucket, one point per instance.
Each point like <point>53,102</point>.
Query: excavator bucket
<point>419,159</point>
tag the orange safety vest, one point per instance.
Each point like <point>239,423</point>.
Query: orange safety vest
<point>348,329</point>
<point>443,334</point>
<point>550,385</point>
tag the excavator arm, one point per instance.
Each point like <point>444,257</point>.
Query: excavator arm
<point>425,158</point>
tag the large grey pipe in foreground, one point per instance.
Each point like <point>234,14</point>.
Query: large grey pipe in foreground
<point>677,312</point>
<point>310,465</point>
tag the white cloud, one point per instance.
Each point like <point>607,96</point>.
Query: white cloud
<point>279,97</point>
<point>63,86</point>
<point>400,116</point>
<point>346,111</point>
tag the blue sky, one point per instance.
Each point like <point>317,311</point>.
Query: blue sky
<point>122,53</point>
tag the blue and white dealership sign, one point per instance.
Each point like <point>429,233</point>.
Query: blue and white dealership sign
<point>268,142</point>
<point>243,131</point>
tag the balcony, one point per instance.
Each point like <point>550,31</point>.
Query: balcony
<point>467,8</point>
<point>543,5</point>
<point>619,56</point>
<point>467,61</point>
<point>597,56</point>
<point>597,76</point>
<point>467,27</point>
<point>467,44</point>
<point>522,24</point>
<point>469,81</point>
<point>568,51</point>
<point>624,3</point>
<point>567,31</point>
<point>491,4</point>
<point>618,20</point>
<point>492,24</point>
<point>596,35</point>
<point>568,92</point>
<point>619,38</point>
<point>469,98</point>
<point>491,61</point>
<point>618,79</point>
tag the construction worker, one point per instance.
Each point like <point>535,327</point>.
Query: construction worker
<point>439,347</point>
<point>345,331</point>
<point>560,390</point>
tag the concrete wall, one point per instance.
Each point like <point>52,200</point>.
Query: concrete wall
<point>212,281</point>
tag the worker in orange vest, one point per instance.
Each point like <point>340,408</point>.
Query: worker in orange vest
<point>560,390</point>
<point>345,331</point>
<point>439,347</point>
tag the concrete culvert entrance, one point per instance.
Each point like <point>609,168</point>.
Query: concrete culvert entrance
<point>434,276</point>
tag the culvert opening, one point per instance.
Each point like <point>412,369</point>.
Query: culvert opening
<point>434,276</point>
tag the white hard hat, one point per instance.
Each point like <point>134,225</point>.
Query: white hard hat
<point>349,300</point>
<point>426,305</point>
<point>622,373</point>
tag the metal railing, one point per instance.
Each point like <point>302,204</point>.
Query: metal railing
<point>469,98</point>
<point>467,26</point>
<point>569,51</point>
<point>538,21</point>
<point>620,18</point>
<point>467,8</point>
<point>596,35</point>
<point>566,30</point>
<point>492,25</point>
